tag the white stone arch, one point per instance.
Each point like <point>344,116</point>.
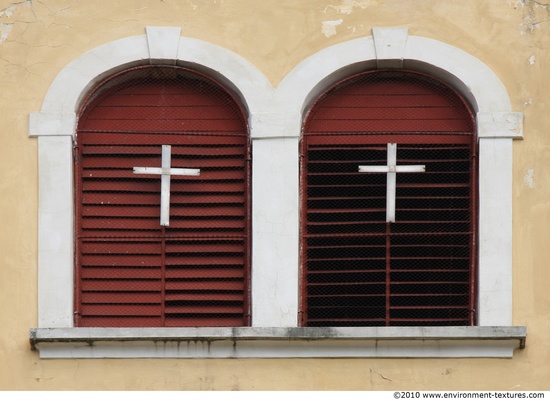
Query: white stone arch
<point>157,46</point>
<point>481,87</point>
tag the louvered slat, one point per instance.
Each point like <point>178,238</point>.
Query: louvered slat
<point>347,216</point>
<point>360,270</point>
<point>132,271</point>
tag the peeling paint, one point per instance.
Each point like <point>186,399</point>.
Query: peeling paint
<point>358,28</point>
<point>6,27</point>
<point>195,6</point>
<point>373,371</point>
<point>529,178</point>
<point>535,13</point>
<point>532,59</point>
<point>5,30</point>
<point>8,11</point>
<point>348,6</point>
<point>329,27</point>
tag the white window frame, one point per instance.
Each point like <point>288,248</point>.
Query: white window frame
<point>275,122</point>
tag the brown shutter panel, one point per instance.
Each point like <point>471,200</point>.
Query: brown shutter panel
<point>131,271</point>
<point>358,269</point>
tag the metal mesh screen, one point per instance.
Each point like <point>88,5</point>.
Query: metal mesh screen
<point>131,270</point>
<point>359,269</point>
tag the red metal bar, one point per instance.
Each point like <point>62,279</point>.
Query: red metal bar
<point>304,284</point>
<point>77,155</point>
<point>388,274</point>
<point>474,222</point>
<point>247,278</point>
<point>163,277</point>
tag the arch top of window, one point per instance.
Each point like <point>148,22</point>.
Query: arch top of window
<point>159,46</point>
<point>169,75</point>
<point>426,83</point>
<point>394,48</point>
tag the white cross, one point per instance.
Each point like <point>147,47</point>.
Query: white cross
<point>165,172</point>
<point>391,169</point>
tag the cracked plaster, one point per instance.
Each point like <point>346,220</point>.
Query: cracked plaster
<point>535,14</point>
<point>16,12</point>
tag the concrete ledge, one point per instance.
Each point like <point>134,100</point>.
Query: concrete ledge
<point>500,125</point>
<point>51,124</point>
<point>397,342</point>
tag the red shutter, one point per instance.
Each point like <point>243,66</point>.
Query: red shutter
<point>131,271</point>
<point>358,269</point>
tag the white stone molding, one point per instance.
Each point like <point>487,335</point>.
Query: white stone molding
<point>390,46</point>
<point>163,43</point>
<point>311,77</point>
<point>275,233</point>
<point>73,82</point>
<point>481,87</point>
<point>55,231</point>
<point>237,74</point>
<point>387,342</point>
<point>52,124</point>
<point>275,117</point>
<point>500,125</point>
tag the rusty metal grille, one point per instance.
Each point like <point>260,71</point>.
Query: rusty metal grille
<point>131,271</point>
<point>357,268</point>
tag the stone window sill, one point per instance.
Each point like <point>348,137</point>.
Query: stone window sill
<point>255,342</point>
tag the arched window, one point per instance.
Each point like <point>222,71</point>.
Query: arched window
<point>162,202</point>
<point>389,204</point>
<point>275,124</point>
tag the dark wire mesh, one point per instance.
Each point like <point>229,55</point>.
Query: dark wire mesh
<point>360,270</point>
<point>131,270</point>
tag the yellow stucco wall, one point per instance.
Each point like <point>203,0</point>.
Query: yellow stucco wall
<point>38,38</point>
